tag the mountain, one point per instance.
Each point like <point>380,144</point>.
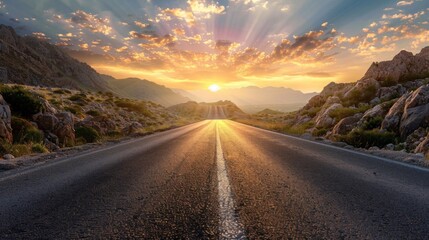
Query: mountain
<point>208,110</point>
<point>387,108</point>
<point>145,90</point>
<point>30,61</point>
<point>254,96</point>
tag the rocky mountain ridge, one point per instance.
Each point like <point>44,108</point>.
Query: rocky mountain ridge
<point>387,108</point>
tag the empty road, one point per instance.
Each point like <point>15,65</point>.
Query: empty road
<point>216,179</point>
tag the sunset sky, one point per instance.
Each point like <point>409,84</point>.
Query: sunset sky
<point>192,44</point>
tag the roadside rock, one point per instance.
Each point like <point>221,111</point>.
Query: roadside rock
<point>133,128</point>
<point>8,156</point>
<point>5,121</point>
<point>416,111</point>
<point>64,129</point>
<point>345,125</point>
<point>393,118</point>
<point>45,121</point>
<point>324,120</point>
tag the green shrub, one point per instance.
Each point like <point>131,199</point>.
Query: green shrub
<point>73,109</point>
<point>78,98</point>
<point>368,138</point>
<point>135,107</point>
<point>88,134</point>
<point>355,97</point>
<point>22,102</point>
<point>341,113</point>
<point>93,113</point>
<point>320,132</point>
<point>25,132</point>
<point>39,148</point>
<point>62,91</point>
<point>19,150</point>
<point>372,123</point>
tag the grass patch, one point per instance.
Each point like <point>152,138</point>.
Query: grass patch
<point>25,132</point>
<point>88,134</point>
<point>368,138</point>
<point>22,102</point>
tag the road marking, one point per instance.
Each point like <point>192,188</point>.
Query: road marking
<point>229,224</point>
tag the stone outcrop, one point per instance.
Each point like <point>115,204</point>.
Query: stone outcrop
<point>403,66</point>
<point>345,125</point>
<point>5,121</point>
<point>324,120</point>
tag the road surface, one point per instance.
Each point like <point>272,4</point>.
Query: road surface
<point>216,179</point>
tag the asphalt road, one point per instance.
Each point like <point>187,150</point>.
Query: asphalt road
<point>216,180</point>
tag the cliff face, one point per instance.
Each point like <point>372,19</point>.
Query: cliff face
<point>387,108</point>
<point>31,61</point>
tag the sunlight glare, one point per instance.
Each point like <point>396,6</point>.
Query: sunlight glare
<point>214,88</point>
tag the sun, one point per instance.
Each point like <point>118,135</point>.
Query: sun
<point>214,88</point>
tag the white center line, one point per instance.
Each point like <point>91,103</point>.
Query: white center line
<point>229,224</point>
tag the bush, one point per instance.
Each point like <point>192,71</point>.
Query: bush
<point>62,91</point>
<point>73,109</point>
<point>19,150</point>
<point>368,138</point>
<point>341,113</point>
<point>93,113</point>
<point>320,132</point>
<point>25,132</point>
<point>372,123</point>
<point>22,102</point>
<point>39,148</point>
<point>135,107</point>
<point>88,134</point>
<point>364,96</point>
<point>78,98</point>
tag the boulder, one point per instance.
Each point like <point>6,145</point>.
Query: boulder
<point>393,118</point>
<point>45,121</point>
<point>423,147</point>
<point>5,121</point>
<point>416,111</point>
<point>323,119</point>
<point>133,128</point>
<point>8,156</point>
<point>64,129</point>
<point>415,139</point>
<point>345,125</point>
<point>388,93</point>
<point>363,86</point>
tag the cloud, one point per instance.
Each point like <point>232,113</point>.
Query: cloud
<point>153,39</point>
<point>141,25</point>
<point>40,35</point>
<point>405,3</point>
<point>310,47</point>
<point>91,21</point>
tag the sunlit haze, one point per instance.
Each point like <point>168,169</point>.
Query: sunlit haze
<point>214,88</point>
<point>190,44</point>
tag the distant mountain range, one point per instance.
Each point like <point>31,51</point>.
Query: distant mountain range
<point>31,61</point>
<point>254,99</point>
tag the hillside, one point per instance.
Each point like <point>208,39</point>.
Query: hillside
<point>196,110</point>
<point>37,119</point>
<point>34,62</point>
<point>388,108</point>
<point>144,90</point>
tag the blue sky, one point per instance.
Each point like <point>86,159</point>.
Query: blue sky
<point>193,43</point>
